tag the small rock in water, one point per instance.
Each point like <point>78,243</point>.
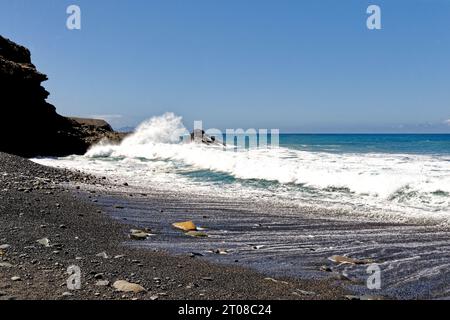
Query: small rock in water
<point>197,234</point>
<point>185,226</point>
<point>220,251</point>
<point>139,234</point>
<point>195,254</point>
<point>347,260</point>
<point>257,247</point>
<point>326,269</point>
<point>119,207</point>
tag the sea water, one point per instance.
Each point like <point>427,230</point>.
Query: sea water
<point>399,177</point>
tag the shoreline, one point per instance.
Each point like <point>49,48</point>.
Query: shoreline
<point>36,204</point>
<point>291,242</point>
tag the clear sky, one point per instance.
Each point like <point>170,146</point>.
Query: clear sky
<point>300,66</point>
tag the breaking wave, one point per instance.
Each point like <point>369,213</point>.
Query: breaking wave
<point>411,185</point>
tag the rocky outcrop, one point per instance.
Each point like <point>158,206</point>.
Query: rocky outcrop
<point>30,126</point>
<point>200,136</point>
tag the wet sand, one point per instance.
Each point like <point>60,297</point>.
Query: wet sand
<point>413,259</point>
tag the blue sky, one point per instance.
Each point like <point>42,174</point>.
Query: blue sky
<point>300,66</point>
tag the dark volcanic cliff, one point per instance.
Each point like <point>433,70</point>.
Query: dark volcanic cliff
<point>30,125</point>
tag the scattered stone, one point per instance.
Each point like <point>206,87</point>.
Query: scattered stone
<point>153,298</point>
<point>195,254</point>
<point>125,286</point>
<point>139,234</point>
<point>16,278</point>
<point>102,283</point>
<point>257,247</point>
<point>5,265</point>
<point>326,269</point>
<point>306,293</point>
<point>67,294</point>
<point>185,226</point>
<point>102,255</point>
<point>347,260</point>
<point>220,251</point>
<point>197,234</point>
<point>5,247</point>
<point>45,242</point>
<point>207,279</point>
<point>275,280</point>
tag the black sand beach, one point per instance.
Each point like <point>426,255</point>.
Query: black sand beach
<point>38,203</point>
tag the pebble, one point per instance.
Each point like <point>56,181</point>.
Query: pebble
<point>16,278</point>
<point>5,265</point>
<point>102,283</point>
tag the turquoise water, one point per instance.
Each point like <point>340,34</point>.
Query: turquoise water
<point>427,144</point>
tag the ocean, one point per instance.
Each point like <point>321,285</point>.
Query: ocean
<point>393,177</point>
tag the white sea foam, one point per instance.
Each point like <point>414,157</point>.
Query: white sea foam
<point>410,185</point>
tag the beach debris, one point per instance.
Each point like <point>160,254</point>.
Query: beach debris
<point>16,278</point>
<point>347,260</point>
<point>125,286</point>
<point>44,241</point>
<point>136,234</point>
<point>196,234</point>
<point>185,226</point>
